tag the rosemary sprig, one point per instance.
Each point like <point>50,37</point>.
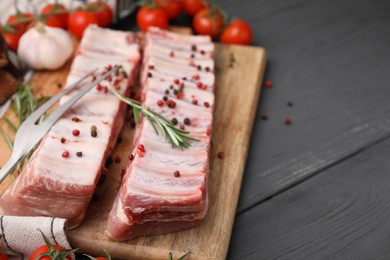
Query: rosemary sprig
<point>177,137</point>
<point>24,103</point>
<point>170,256</point>
<point>7,139</point>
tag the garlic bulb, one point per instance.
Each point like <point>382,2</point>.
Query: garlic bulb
<point>43,47</point>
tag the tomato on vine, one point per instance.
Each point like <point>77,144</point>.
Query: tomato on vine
<point>208,21</point>
<point>51,252</point>
<point>102,11</point>
<point>151,15</point>
<point>12,39</point>
<point>171,7</point>
<point>23,20</point>
<point>191,7</point>
<point>56,15</point>
<point>44,253</point>
<point>79,20</point>
<point>237,32</point>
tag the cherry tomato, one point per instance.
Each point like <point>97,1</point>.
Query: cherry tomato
<point>191,7</point>
<point>3,257</point>
<point>148,16</point>
<point>19,18</point>
<point>44,249</point>
<point>237,32</point>
<point>102,12</point>
<point>171,7</point>
<point>208,22</point>
<point>12,40</point>
<point>56,20</point>
<point>79,20</point>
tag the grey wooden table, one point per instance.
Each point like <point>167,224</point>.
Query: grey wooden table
<point>319,188</point>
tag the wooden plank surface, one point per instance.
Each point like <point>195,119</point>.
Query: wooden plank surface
<point>331,59</point>
<point>342,213</point>
<point>237,92</point>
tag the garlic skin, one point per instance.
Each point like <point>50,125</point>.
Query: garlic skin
<point>44,47</point>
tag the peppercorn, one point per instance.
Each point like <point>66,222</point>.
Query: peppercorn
<point>176,81</point>
<point>151,67</point>
<point>192,56</point>
<point>268,84</point>
<point>175,92</point>
<point>206,104</point>
<point>166,92</point>
<point>76,132</point>
<point>174,121</point>
<point>160,103</point>
<point>182,127</point>
<point>117,159</point>
<point>150,75</point>
<point>193,47</point>
<point>59,85</point>
<point>79,154</point>
<point>199,67</point>
<point>63,140</point>
<point>171,86</point>
<point>195,102</point>
<point>98,87</point>
<point>287,121</point>
<point>202,52</point>
<point>93,128</point>
<point>132,124</point>
<point>76,119</point>
<point>207,69</point>
<point>221,155</point>
<point>263,116</point>
<point>171,104</point>
<point>290,104</point>
<point>184,78</point>
<point>176,174</point>
<point>93,133</point>
<point>165,98</point>
<point>187,121</point>
<point>141,148</point>
<point>65,154</point>
<point>131,157</point>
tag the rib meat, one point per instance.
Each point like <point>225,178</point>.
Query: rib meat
<point>151,199</point>
<point>52,185</point>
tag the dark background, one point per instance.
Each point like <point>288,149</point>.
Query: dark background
<point>319,188</point>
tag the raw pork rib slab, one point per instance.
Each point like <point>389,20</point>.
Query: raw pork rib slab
<point>178,81</point>
<point>52,185</point>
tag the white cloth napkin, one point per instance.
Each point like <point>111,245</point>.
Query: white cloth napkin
<point>20,234</point>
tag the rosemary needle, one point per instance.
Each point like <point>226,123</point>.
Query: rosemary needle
<point>177,137</point>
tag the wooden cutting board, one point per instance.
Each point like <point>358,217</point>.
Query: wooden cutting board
<point>240,71</point>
